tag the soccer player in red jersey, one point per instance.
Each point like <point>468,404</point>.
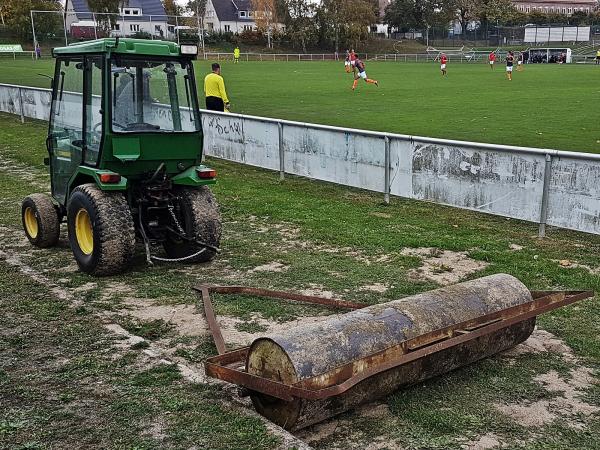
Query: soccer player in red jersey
<point>360,66</point>
<point>492,59</point>
<point>443,62</point>
<point>353,59</point>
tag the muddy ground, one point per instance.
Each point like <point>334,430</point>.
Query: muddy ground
<point>304,237</point>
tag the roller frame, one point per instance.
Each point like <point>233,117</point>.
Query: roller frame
<point>230,366</point>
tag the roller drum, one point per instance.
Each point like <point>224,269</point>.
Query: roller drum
<point>317,350</point>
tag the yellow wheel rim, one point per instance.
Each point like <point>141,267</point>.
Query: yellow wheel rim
<point>84,232</point>
<point>31,223</point>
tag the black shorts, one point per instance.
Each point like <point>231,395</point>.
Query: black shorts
<point>215,104</point>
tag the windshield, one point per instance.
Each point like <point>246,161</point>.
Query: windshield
<point>153,96</point>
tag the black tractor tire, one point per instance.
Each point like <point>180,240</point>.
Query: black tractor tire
<point>41,220</point>
<point>200,218</point>
<point>101,230</point>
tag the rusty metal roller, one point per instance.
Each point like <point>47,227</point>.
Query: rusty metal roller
<point>317,352</point>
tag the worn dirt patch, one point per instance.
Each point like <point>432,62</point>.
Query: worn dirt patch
<point>568,264</point>
<point>567,405</point>
<point>270,267</point>
<point>376,287</point>
<point>541,341</point>
<point>443,266</point>
<point>485,442</point>
<point>316,290</point>
<point>186,319</point>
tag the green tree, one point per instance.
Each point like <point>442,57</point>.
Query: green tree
<point>172,8</point>
<point>537,18</point>
<point>346,20</point>
<point>360,16</point>
<point>196,7</point>
<point>105,6</point>
<point>579,18</point>
<point>402,14</point>
<point>496,11</point>
<point>300,26</point>
<point>109,10</point>
<point>466,11</point>
<point>417,14</point>
<point>18,19</point>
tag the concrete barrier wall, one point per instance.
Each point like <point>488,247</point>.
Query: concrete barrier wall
<point>537,185</point>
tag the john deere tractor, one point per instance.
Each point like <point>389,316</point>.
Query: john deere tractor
<point>125,152</point>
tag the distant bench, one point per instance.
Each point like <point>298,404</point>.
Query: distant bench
<point>7,49</point>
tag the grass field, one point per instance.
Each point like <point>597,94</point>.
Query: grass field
<point>550,106</point>
<point>70,378</point>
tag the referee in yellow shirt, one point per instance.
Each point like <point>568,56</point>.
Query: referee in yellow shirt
<point>214,90</point>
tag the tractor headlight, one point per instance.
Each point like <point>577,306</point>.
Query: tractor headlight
<point>189,49</point>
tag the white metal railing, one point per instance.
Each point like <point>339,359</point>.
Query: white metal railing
<point>397,57</point>
<point>539,185</point>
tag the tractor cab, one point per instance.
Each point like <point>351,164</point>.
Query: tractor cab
<point>125,120</point>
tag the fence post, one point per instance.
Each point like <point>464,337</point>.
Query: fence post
<point>281,152</point>
<point>21,106</point>
<point>545,195</point>
<point>386,188</point>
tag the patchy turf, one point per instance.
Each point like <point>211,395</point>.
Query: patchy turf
<point>547,105</point>
<point>125,357</point>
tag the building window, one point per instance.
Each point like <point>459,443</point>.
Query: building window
<point>242,13</point>
<point>135,12</point>
<point>247,27</point>
<point>116,26</point>
<point>227,28</point>
<point>250,13</point>
<point>134,27</point>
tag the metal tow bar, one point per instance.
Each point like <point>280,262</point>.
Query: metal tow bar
<point>230,366</point>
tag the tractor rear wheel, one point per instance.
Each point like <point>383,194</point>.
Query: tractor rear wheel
<point>201,220</point>
<point>41,220</point>
<point>101,230</point>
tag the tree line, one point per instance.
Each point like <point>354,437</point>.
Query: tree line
<point>406,15</point>
<point>333,24</point>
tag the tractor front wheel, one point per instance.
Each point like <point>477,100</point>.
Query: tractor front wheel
<point>101,230</point>
<point>41,220</point>
<point>199,217</point>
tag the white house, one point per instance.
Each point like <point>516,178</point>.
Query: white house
<point>134,16</point>
<point>230,16</point>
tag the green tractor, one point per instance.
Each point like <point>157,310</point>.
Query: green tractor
<point>125,151</point>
